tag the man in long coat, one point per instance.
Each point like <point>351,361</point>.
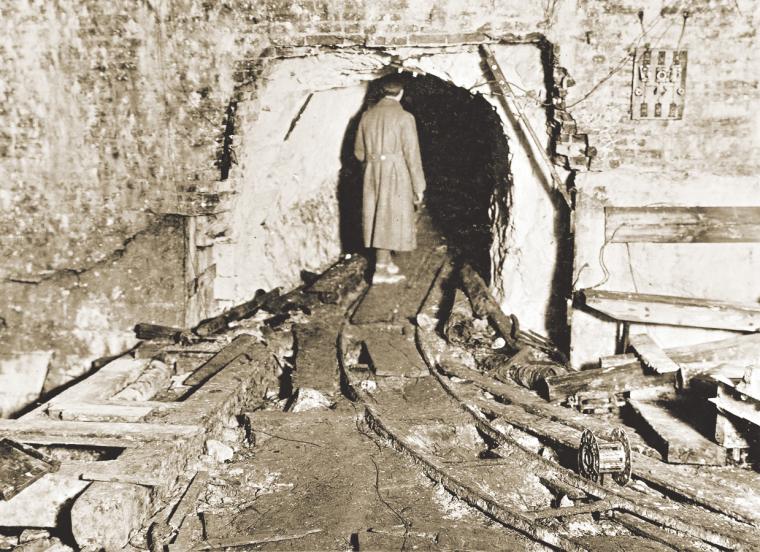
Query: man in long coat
<point>387,144</point>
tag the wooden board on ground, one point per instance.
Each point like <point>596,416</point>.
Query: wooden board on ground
<point>188,500</point>
<point>393,354</point>
<point>679,441</point>
<point>113,410</point>
<point>156,465</point>
<point>652,355</point>
<point>20,467</point>
<point>316,366</point>
<point>101,385</point>
<point>674,311</point>
<point>104,434</point>
<point>240,345</point>
<point>682,224</point>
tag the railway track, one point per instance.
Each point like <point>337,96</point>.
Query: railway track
<point>460,434</point>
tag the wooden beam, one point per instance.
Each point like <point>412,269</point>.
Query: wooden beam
<point>651,355</point>
<point>101,385</point>
<point>240,345</point>
<point>106,411</point>
<point>680,442</point>
<point>189,498</point>
<point>145,330</point>
<point>628,373</point>
<point>221,322</point>
<point>682,224</point>
<point>107,434</point>
<point>675,311</point>
<point>341,278</point>
<point>736,402</point>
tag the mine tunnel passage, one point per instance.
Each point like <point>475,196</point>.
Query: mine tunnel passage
<point>465,159</point>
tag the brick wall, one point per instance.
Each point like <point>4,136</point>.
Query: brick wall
<point>111,113</point>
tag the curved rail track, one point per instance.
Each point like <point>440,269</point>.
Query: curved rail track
<point>457,425</point>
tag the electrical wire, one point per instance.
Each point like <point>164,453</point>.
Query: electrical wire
<point>632,46</point>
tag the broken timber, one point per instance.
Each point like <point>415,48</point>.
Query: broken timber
<point>624,372</point>
<point>675,311</point>
<point>221,322</point>
<point>651,355</point>
<point>340,279</point>
<point>680,442</point>
<point>98,434</point>
<point>156,331</point>
<point>483,304</point>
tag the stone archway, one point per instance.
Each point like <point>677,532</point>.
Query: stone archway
<point>291,150</point>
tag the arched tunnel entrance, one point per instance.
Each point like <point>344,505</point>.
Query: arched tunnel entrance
<point>465,159</point>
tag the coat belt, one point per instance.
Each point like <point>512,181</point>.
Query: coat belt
<point>384,156</point>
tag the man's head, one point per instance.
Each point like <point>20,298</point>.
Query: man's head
<point>393,87</point>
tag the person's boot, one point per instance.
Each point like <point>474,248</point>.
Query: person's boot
<point>382,276</point>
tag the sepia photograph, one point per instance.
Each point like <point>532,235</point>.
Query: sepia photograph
<point>379,275</point>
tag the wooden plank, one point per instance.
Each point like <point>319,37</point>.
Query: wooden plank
<point>188,500</point>
<point>316,365</point>
<point>155,378</point>
<point>651,355</point>
<point>680,442</point>
<point>100,385</point>
<point>221,397</point>
<point>154,465</point>
<point>393,354</point>
<point>240,345</point>
<point>99,412</point>
<point>108,434</point>
<point>628,374</point>
<point>675,311</point>
<point>682,224</point>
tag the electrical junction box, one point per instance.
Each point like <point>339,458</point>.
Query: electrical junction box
<point>659,84</point>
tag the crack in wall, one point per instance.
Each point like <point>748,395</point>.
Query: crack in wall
<point>63,273</point>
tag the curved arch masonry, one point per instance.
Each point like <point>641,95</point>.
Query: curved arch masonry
<point>309,96</point>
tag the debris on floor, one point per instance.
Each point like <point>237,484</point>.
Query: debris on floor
<point>342,416</point>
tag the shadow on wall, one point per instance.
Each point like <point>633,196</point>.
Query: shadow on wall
<point>465,158</point>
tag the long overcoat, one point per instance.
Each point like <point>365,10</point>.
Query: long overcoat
<point>387,144</point>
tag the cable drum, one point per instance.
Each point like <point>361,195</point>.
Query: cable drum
<point>597,459</point>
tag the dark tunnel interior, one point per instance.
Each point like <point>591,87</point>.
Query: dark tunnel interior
<point>465,158</point>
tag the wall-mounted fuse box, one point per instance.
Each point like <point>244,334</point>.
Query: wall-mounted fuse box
<point>659,84</point>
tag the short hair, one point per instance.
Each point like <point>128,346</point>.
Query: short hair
<point>392,86</point>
